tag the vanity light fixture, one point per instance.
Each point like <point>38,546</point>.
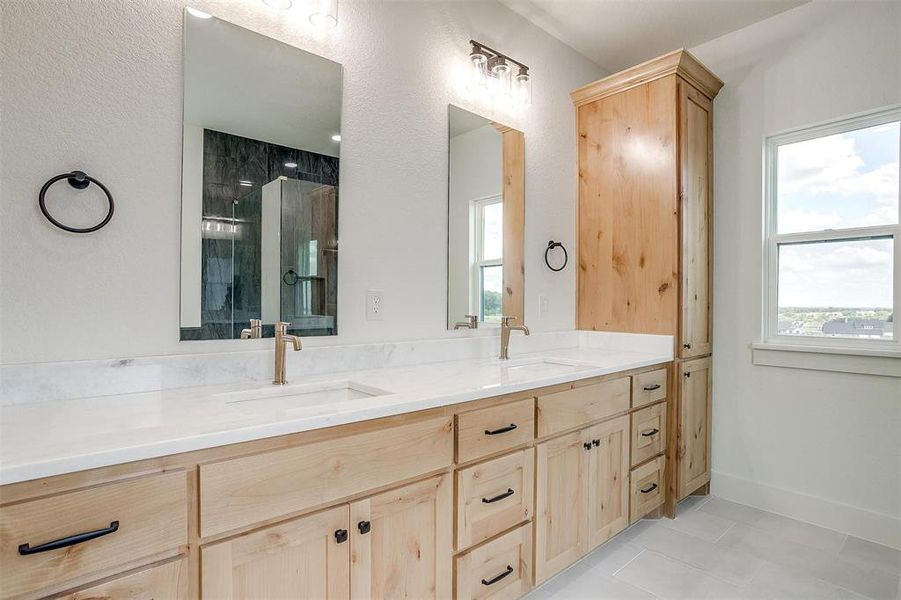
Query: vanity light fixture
<point>336,137</point>
<point>504,76</point>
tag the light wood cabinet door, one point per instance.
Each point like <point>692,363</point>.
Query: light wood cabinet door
<point>562,489</point>
<point>305,558</point>
<point>168,581</point>
<point>607,505</point>
<point>696,151</point>
<point>401,542</point>
<point>694,425</point>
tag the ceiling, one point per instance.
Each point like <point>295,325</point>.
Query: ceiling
<point>617,34</point>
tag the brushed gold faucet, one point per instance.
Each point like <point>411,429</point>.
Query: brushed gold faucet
<point>281,340</point>
<point>254,332</point>
<point>506,328</point>
<point>471,322</point>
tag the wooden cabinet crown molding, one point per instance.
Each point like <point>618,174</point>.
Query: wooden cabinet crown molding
<point>680,61</point>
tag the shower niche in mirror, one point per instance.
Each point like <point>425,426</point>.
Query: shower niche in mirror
<point>486,216</point>
<point>262,122</point>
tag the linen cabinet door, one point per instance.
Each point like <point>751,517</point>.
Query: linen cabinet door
<point>608,480</point>
<point>308,557</point>
<point>560,504</point>
<point>402,542</point>
<point>694,425</point>
<point>696,143</point>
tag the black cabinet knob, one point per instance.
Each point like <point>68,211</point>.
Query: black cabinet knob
<point>596,443</point>
<point>364,527</point>
<point>341,536</point>
<point>587,445</point>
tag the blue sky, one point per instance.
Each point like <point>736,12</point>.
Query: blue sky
<point>835,182</point>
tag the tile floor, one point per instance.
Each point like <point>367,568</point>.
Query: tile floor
<point>717,549</point>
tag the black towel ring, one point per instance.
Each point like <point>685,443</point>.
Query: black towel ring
<point>79,180</point>
<point>550,246</point>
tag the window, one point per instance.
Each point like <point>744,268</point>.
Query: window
<point>832,230</point>
<point>487,262</point>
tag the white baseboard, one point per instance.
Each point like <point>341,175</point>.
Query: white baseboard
<point>869,525</point>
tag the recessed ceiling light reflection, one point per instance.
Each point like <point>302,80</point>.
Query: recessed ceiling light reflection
<point>291,165</point>
<point>336,137</point>
<point>245,183</point>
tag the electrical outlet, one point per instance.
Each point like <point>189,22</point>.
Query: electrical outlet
<point>543,306</point>
<point>374,305</point>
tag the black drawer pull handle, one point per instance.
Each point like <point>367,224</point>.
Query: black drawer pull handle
<point>364,527</point>
<point>341,536</point>
<point>65,542</point>
<point>652,387</point>
<point>506,494</point>
<point>497,578</point>
<point>509,427</point>
<point>649,489</point>
<point>650,432</point>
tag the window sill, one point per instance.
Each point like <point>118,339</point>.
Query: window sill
<point>867,361</point>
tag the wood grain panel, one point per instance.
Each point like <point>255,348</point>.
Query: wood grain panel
<point>695,416</point>
<point>152,515</point>
<point>648,432</point>
<point>167,581</point>
<point>479,515</point>
<point>474,442</point>
<point>648,387</point>
<point>298,559</point>
<point>608,480</point>
<point>696,150</point>
<point>243,491</point>
<point>479,569</point>
<point>628,212</point>
<point>582,405</point>
<point>408,549</point>
<point>514,176</point>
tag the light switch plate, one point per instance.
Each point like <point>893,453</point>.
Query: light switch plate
<point>374,305</point>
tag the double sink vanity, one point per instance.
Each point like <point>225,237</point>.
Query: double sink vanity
<point>470,479</point>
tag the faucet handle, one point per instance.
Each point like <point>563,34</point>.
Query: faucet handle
<point>506,320</point>
<point>281,327</point>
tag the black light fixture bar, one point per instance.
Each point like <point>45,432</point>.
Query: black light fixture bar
<point>493,55</point>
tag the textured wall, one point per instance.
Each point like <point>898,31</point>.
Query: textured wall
<point>823,447</point>
<point>96,85</point>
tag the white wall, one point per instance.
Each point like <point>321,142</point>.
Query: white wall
<point>96,85</point>
<point>819,446</point>
<point>476,171</point>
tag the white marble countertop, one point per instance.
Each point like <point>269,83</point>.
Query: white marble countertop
<point>42,439</point>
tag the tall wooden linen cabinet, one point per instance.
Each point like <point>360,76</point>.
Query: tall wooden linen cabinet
<point>645,145</point>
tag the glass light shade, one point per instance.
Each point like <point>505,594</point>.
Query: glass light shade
<point>503,74</point>
<point>479,69</point>
<point>324,13</point>
<point>522,88</point>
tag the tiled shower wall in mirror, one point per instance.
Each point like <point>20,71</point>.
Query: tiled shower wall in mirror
<point>235,169</point>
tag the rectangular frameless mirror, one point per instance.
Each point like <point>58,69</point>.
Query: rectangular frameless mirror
<point>259,240</point>
<point>486,215</point>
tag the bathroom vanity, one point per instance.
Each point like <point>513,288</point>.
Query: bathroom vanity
<point>504,476</point>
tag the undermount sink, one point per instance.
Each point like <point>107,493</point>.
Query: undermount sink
<point>286,397</point>
<point>534,368</point>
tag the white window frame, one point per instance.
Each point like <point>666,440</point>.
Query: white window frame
<point>772,240</point>
<point>477,261</point>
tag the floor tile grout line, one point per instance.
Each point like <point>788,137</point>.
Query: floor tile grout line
<point>728,529</point>
<point>628,563</point>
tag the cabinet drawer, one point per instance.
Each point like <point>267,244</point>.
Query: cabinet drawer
<point>581,405</point>
<point>648,432</point>
<point>648,387</point>
<point>500,569</point>
<point>495,429</point>
<point>164,582</point>
<point>647,482</point>
<point>494,496</point>
<point>145,517</point>
<point>243,491</point>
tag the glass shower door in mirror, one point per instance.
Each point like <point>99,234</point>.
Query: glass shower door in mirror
<point>486,208</point>
<point>260,166</point>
